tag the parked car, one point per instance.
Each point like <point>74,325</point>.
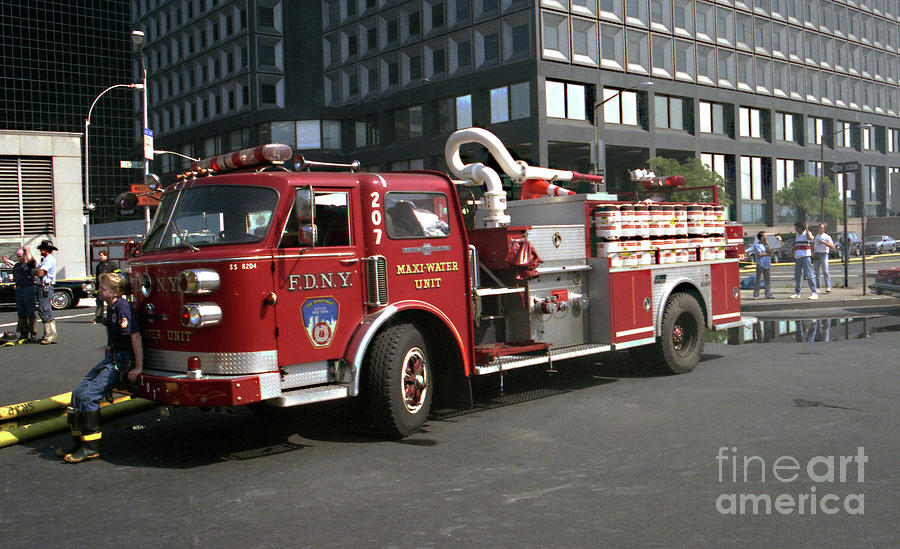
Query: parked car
<point>66,293</point>
<point>777,249</point>
<point>855,243</point>
<point>887,282</point>
<point>880,244</point>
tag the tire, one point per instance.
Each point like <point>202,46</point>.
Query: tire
<point>61,299</point>
<point>398,384</point>
<point>682,332</point>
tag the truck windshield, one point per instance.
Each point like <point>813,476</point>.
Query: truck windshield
<point>212,215</point>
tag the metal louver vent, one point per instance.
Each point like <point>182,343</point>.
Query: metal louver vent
<point>26,196</point>
<point>376,280</point>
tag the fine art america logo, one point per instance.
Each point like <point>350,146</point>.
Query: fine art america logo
<point>784,482</point>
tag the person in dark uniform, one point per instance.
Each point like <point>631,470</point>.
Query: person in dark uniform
<point>124,353</point>
<point>25,295</point>
<point>103,266</point>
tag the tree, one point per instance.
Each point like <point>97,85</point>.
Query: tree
<point>803,194</point>
<point>695,175</point>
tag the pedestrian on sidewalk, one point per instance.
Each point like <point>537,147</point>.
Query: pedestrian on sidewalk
<point>46,273</point>
<point>824,244</point>
<point>763,265</point>
<point>803,260</point>
<point>124,356</point>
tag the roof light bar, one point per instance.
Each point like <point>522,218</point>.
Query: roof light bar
<point>272,153</point>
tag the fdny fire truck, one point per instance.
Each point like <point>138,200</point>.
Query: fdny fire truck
<point>257,284</point>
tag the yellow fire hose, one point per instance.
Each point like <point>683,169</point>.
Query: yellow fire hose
<point>35,406</point>
<point>120,406</point>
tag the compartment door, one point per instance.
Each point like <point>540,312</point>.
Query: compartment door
<point>631,305</point>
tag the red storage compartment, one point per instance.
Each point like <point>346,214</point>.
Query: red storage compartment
<point>631,305</point>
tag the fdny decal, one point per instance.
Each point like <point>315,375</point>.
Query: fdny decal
<point>315,281</point>
<point>320,317</point>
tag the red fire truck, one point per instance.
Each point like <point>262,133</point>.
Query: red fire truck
<point>258,284</point>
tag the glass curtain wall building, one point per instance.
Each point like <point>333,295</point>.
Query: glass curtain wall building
<point>56,57</point>
<point>753,88</point>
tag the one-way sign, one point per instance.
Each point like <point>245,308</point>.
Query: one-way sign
<point>845,167</point>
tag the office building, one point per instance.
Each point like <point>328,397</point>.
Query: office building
<point>759,90</point>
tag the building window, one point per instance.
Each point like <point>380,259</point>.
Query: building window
<point>712,118</point>
<point>367,133</point>
<point>814,130</point>
<point>750,122</point>
<point>455,113</point>
<point>784,126</point>
<point>669,112</point>
<point>715,162</point>
<point>566,100</point>
<point>408,123</point>
<point>584,42</point>
<point>784,173</point>
<point>893,140</point>
<point>867,138</point>
<point>620,107</point>
<point>510,103</point>
<point>612,47</point>
<point>555,36</point>
<point>843,136</point>
<point>751,185</point>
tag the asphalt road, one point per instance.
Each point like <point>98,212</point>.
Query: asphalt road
<point>599,454</point>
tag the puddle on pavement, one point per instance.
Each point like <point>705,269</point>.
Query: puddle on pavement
<point>806,330</point>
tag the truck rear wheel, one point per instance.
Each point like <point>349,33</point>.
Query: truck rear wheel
<point>681,341</point>
<point>398,387</point>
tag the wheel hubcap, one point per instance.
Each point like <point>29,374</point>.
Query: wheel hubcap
<point>415,380</point>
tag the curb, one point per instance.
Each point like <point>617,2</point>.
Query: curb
<point>819,304</point>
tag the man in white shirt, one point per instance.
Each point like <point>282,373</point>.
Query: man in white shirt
<point>803,260</point>
<point>823,245</point>
<point>46,273</point>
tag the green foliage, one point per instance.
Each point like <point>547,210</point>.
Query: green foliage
<point>695,175</point>
<point>803,194</point>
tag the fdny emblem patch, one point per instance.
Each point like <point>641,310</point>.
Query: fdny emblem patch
<point>320,317</point>
<point>123,323</point>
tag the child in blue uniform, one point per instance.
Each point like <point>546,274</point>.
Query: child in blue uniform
<point>124,353</point>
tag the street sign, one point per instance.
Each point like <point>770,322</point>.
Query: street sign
<point>845,167</point>
<point>144,196</point>
<point>148,143</point>
<point>129,164</point>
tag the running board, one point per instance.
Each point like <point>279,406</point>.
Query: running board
<point>511,362</point>
<point>309,395</point>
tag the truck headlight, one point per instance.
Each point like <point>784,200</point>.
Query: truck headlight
<point>200,315</point>
<point>198,281</point>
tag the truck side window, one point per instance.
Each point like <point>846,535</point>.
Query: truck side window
<point>324,221</point>
<point>416,215</point>
<point>332,218</point>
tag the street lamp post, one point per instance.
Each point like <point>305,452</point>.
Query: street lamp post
<point>137,37</point>
<point>88,207</point>
<point>596,145</point>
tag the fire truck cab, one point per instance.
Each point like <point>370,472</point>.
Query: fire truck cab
<point>265,285</point>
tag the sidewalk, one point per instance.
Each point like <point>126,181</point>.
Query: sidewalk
<point>838,298</point>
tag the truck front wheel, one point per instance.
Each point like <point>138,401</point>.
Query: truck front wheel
<point>398,388</point>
